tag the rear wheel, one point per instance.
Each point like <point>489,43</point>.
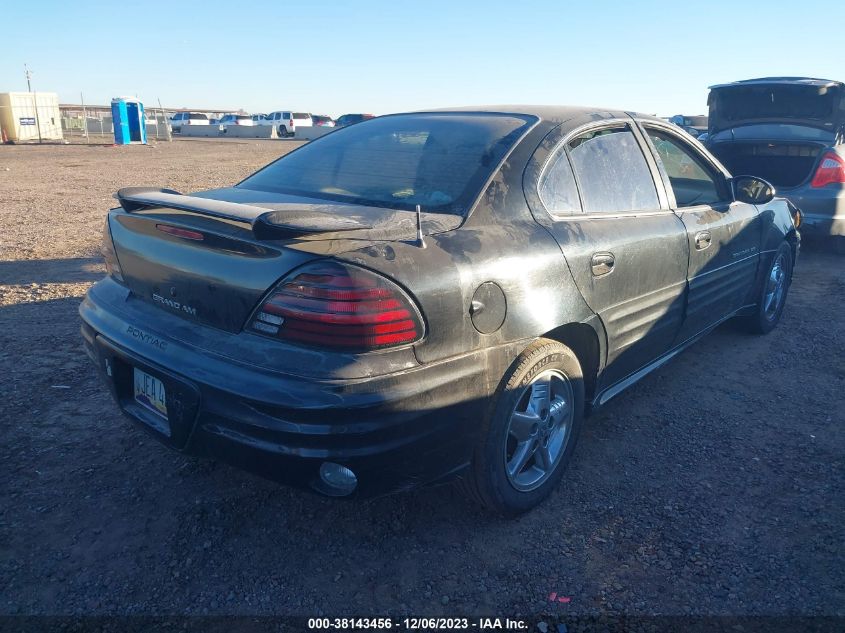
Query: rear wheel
<point>530,433</point>
<point>772,297</point>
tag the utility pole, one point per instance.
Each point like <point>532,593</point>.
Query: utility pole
<point>84,117</point>
<point>28,73</point>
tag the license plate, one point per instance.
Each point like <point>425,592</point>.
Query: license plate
<point>149,393</point>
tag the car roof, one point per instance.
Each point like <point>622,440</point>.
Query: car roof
<point>795,81</point>
<point>549,113</point>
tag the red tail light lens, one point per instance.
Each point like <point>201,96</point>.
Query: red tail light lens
<point>339,306</point>
<point>831,170</point>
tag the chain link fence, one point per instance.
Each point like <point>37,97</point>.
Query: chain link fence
<point>98,125</point>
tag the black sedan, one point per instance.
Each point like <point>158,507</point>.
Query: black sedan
<point>429,296</point>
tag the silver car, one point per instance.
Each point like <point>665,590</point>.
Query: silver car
<point>789,131</point>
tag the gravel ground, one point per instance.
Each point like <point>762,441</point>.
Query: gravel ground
<point>713,487</point>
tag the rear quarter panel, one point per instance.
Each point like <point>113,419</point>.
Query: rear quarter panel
<point>499,242</point>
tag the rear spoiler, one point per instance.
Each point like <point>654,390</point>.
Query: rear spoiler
<point>266,223</point>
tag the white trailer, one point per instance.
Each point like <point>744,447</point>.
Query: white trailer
<point>30,116</point>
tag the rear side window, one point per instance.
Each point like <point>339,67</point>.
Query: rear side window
<point>301,115</point>
<point>557,189</point>
<point>439,161</point>
<point>612,171</point>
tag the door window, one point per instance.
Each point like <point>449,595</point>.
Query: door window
<point>693,182</point>
<point>612,171</point>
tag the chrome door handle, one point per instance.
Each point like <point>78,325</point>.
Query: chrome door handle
<point>602,264</point>
<point>702,240</point>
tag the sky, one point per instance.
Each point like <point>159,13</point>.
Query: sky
<point>333,57</point>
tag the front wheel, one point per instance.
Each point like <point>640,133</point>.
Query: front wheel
<point>530,433</point>
<point>772,296</point>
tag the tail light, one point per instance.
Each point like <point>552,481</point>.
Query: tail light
<point>109,254</point>
<point>338,306</point>
<point>831,170</point>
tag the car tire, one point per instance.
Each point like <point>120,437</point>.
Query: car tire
<point>283,131</point>
<point>524,426</point>
<point>771,297</point>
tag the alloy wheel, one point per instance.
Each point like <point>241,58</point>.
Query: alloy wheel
<point>539,430</point>
<point>775,288</point>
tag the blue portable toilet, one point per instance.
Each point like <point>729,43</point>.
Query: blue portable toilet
<point>128,117</point>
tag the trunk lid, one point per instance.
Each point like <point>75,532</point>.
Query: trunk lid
<point>814,103</point>
<point>210,257</point>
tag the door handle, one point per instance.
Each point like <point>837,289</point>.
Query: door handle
<point>702,240</point>
<point>602,264</point>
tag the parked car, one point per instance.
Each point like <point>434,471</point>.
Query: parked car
<point>187,118</point>
<point>349,119</point>
<point>258,118</point>
<point>791,132</point>
<point>287,122</point>
<point>235,119</point>
<point>429,296</point>
<point>322,120</point>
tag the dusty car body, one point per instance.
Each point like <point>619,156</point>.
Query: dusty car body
<point>429,296</point>
<point>791,132</point>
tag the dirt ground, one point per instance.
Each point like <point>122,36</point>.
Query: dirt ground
<point>715,486</point>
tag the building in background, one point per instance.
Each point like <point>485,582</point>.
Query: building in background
<point>30,116</point>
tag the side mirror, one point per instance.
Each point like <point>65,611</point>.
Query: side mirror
<point>752,190</point>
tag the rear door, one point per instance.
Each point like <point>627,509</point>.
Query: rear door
<point>626,250</point>
<point>724,235</point>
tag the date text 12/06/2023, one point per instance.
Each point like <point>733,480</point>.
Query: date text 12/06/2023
<point>418,624</point>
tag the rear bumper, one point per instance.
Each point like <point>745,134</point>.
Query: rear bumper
<point>394,431</point>
<point>823,210</point>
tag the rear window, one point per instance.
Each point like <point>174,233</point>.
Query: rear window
<point>439,161</point>
<point>194,115</point>
<point>301,115</point>
<point>773,102</point>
